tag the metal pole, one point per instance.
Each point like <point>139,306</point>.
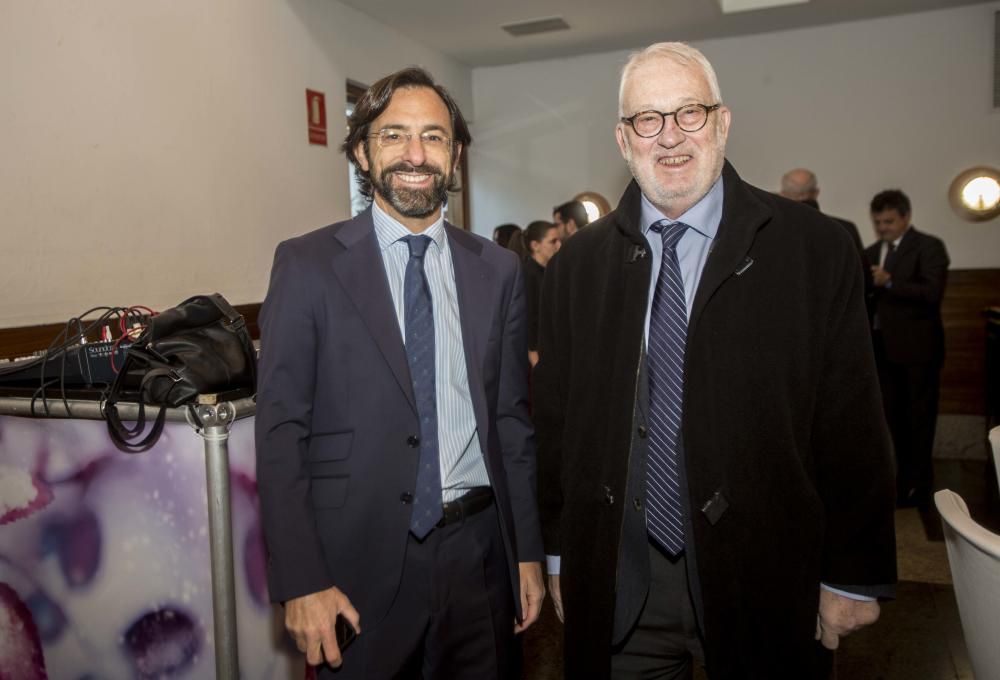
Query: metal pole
<point>215,421</point>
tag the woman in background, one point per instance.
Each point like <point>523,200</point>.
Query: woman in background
<point>503,234</point>
<point>541,241</point>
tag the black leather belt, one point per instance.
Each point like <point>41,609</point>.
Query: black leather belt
<point>476,500</point>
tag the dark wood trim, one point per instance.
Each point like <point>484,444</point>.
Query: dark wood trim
<point>355,91</point>
<point>963,378</point>
<point>466,215</point>
<point>23,340</point>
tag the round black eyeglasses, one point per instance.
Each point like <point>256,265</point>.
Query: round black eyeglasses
<point>690,118</point>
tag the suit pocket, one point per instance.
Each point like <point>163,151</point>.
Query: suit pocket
<point>329,492</point>
<point>330,446</point>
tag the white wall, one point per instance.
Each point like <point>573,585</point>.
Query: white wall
<point>154,150</point>
<point>898,102</point>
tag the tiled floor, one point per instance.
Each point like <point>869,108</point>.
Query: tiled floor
<point>919,635</point>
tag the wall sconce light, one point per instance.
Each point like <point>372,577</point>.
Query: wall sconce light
<point>975,194</point>
<point>595,204</point>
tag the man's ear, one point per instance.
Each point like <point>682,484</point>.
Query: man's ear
<point>620,138</point>
<point>361,154</point>
<point>458,157</point>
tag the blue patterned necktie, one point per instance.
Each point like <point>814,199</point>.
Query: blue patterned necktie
<point>419,321</point>
<point>665,359</point>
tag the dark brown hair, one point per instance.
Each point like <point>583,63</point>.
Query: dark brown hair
<point>891,199</point>
<point>376,100</point>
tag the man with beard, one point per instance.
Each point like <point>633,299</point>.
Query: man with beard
<point>395,457</point>
<point>714,473</point>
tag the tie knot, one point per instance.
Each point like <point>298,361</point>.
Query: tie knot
<point>418,245</point>
<point>670,232</point>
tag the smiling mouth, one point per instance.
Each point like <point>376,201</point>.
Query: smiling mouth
<point>673,161</point>
<point>411,177</point>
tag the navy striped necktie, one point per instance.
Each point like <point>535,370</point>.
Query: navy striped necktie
<point>418,318</point>
<point>665,359</point>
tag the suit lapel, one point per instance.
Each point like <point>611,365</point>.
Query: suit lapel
<point>742,215</point>
<point>361,272</point>
<point>474,283</point>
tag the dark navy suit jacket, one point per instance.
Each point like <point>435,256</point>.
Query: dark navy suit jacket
<point>336,413</point>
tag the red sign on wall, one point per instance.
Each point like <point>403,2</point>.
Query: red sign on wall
<point>316,106</point>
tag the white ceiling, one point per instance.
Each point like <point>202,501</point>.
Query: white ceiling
<point>469,30</point>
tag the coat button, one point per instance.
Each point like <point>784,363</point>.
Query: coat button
<point>609,498</point>
<point>637,503</point>
<point>642,431</point>
<point>413,441</point>
<point>406,497</point>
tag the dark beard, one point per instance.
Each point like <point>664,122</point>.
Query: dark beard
<point>412,202</point>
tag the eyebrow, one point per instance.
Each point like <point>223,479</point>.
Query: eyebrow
<point>406,128</point>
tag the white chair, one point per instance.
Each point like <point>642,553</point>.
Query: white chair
<point>974,557</point>
<point>995,445</point>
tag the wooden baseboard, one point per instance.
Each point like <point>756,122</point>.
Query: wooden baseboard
<point>24,340</point>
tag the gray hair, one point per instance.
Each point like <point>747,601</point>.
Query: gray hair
<point>678,52</point>
<point>799,184</point>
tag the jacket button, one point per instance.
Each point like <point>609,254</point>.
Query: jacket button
<point>637,503</point>
<point>413,441</point>
<point>609,497</point>
<point>642,431</point>
<point>406,497</point>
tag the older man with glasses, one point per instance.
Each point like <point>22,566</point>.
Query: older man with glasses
<point>715,483</point>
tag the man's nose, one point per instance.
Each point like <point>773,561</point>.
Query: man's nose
<point>414,151</point>
<point>671,135</point>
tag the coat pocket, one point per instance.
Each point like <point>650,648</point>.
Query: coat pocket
<point>330,446</point>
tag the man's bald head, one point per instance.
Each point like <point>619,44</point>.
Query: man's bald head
<point>799,185</point>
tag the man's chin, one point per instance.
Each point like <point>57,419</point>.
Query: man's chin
<point>412,204</point>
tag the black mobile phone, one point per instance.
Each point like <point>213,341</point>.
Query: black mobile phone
<point>345,632</point>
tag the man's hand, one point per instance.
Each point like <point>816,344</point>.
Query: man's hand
<point>880,277</point>
<point>310,619</point>
<point>839,615</point>
<point>532,594</point>
<point>556,595</point>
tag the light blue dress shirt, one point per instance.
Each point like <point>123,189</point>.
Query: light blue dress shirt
<point>461,458</point>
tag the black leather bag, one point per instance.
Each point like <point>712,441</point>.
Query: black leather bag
<point>201,346</point>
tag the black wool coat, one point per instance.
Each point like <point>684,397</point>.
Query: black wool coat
<point>788,472</point>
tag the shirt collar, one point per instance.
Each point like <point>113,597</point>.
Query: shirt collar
<point>389,230</point>
<point>901,236</point>
<point>704,216</point>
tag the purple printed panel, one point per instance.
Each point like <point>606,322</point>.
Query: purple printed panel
<point>104,557</point>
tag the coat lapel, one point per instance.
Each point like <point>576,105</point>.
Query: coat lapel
<point>742,215</point>
<point>361,272</point>
<point>474,282</point>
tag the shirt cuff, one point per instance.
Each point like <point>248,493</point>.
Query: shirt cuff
<point>552,564</point>
<point>847,594</point>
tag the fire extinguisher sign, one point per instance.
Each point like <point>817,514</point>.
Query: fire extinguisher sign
<point>316,107</point>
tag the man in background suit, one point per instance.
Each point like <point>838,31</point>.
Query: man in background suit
<point>714,472</point>
<point>801,185</point>
<point>909,270</point>
<point>570,217</point>
<point>395,459</point>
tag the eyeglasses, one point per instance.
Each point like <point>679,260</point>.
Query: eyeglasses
<point>390,138</point>
<point>690,118</point>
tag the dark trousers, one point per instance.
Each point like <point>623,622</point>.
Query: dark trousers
<point>665,643</point>
<point>910,399</point>
<point>453,616</point>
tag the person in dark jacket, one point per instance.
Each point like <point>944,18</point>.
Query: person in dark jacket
<point>541,240</point>
<point>909,270</point>
<point>715,482</point>
<point>801,185</point>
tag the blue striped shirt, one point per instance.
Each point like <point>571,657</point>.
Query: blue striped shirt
<point>461,458</point>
